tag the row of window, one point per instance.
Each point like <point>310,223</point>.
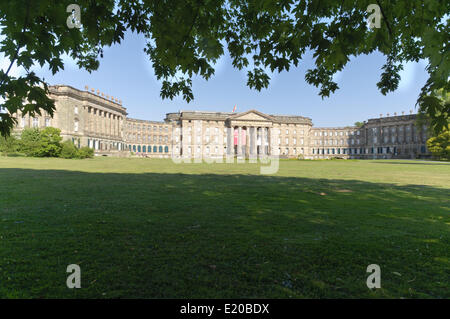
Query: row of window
<point>148,149</point>
<point>353,151</point>
<point>393,129</point>
<point>341,133</point>
<point>148,127</point>
<point>335,142</point>
<point>35,122</point>
<point>148,138</point>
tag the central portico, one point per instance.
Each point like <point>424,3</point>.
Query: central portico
<point>251,133</point>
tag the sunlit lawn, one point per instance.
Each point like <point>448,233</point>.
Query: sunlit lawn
<point>151,228</point>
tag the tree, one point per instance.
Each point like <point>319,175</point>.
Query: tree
<point>359,124</point>
<point>30,141</point>
<point>439,145</point>
<point>186,37</point>
<point>434,110</point>
<point>50,142</point>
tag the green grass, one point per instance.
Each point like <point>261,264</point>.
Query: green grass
<point>150,228</point>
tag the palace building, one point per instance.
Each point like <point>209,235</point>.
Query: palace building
<point>91,118</point>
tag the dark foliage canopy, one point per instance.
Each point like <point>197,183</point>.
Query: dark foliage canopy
<point>186,37</point>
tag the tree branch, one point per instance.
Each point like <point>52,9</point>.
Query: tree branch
<point>385,19</point>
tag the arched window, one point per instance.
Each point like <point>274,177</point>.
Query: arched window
<point>134,148</point>
<point>144,149</point>
<point>155,148</point>
<point>139,148</point>
<point>149,149</point>
<point>166,149</point>
<point>160,149</point>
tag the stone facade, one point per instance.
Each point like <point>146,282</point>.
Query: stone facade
<point>91,119</point>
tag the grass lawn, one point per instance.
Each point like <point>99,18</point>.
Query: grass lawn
<point>150,228</point>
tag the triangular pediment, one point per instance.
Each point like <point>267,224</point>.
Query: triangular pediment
<point>251,115</point>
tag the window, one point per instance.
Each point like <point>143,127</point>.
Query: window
<point>75,126</point>
<point>295,141</point>
<point>22,122</point>
<point>35,122</point>
<point>75,110</point>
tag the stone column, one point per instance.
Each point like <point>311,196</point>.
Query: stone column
<point>263,141</point>
<point>229,135</point>
<point>255,140</point>
<point>239,146</point>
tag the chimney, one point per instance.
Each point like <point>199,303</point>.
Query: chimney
<point>410,111</point>
<point>387,115</point>
<point>86,88</point>
<point>93,90</point>
<point>395,113</point>
<point>403,112</point>
<point>381,115</point>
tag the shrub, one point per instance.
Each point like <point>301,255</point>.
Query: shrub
<point>30,142</point>
<point>9,145</point>
<point>68,150</point>
<point>85,152</point>
<point>300,157</point>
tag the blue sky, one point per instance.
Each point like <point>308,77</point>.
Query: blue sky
<point>126,73</point>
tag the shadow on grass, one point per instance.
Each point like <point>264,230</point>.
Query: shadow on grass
<point>158,235</point>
